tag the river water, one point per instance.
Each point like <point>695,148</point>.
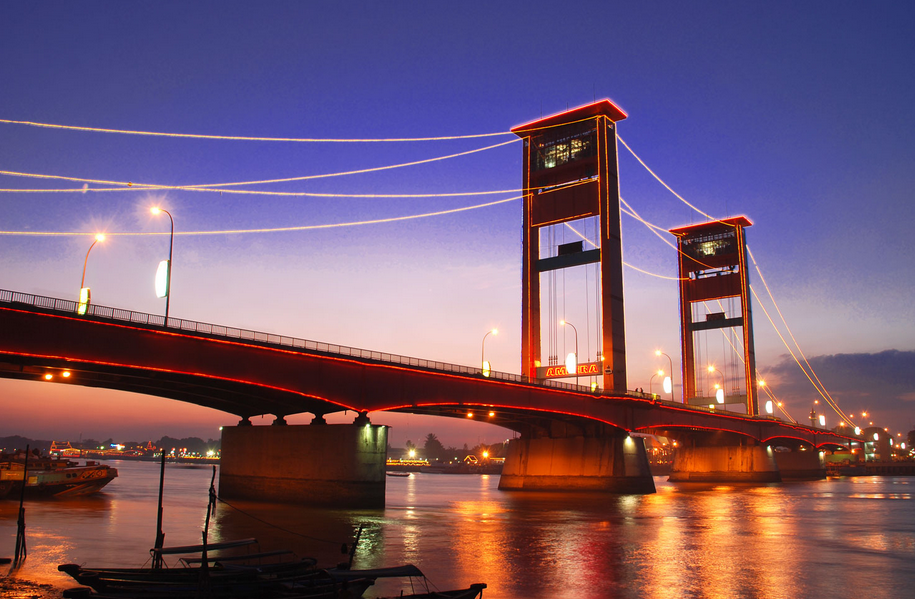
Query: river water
<point>840,537</point>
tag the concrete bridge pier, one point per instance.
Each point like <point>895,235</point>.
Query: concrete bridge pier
<point>609,463</point>
<point>340,465</point>
<point>801,464</point>
<point>713,459</point>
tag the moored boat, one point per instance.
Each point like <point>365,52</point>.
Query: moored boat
<point>51,476</point>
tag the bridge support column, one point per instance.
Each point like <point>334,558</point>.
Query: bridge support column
<point>723,464</point>
<point>801,465</point>
<point>332,464</point>
<point>610,464</point>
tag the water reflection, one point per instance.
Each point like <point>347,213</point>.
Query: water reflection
<point>817,539</point>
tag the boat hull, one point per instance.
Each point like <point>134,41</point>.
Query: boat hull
<point>53,478</point>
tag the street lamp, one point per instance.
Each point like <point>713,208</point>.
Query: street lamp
<point>84,295</point>
<point>659,353</point>
<point>651,380</point>
<point>572,361</point>
<point>719,389</point>
<point>487,367</point>
<point>168,266</point>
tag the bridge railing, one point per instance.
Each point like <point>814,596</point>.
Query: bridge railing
<point>269,339</point>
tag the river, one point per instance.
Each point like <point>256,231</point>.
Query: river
<point>840,537</point>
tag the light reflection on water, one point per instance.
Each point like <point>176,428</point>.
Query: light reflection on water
<point>829,538</point>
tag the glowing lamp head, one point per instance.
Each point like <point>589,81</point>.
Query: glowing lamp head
<point>412,453</point>
<point>660,373</point>
<point>494,331</point>
<point>155,210</point>
<point>485,454</point>
<point>657,352</point>
<point>711,369</point>
<point>100,237</point>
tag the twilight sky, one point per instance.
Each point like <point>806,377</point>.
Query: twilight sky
<point>795,115</point>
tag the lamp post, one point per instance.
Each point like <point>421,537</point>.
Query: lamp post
<point>659,353</point>
<point>563,323</point>
<point>171,245</point>
<point>84,296</point>
<point>651,380</point>
<point>719,389</point>
<point>486,367</point>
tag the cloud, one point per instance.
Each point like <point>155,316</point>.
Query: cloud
<point>882,383</point>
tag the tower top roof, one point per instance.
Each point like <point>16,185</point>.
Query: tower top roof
<point>735,221</point>
<point>600,108</point>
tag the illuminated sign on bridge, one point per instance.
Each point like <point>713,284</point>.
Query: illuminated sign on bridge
<point>560,371</point>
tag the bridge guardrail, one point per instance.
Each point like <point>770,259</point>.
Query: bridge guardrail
<point>158,320</point>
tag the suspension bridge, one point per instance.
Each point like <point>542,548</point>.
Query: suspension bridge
<point>571,436</point>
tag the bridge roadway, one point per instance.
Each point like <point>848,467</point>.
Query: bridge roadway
<point>248,373</point>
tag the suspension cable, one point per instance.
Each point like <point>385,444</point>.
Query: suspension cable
<point>243,138</point>
<point>261,182</point>
<point>269,230</point>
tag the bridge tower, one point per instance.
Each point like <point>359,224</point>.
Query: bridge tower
<point>571,172</point>
<point>713,268</point>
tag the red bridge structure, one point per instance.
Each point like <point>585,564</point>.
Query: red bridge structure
<point>571,437</point>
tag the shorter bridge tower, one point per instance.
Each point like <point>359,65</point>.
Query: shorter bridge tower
<point>713,270</point>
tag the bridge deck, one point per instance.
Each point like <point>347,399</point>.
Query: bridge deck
<point>249,373</point>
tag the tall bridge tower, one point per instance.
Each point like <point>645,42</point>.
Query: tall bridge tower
<point>571,172</point>
<point>713,269</point>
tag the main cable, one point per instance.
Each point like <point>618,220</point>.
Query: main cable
<point>245,138</point>
<point>261,182</point>
<point>269,230</point>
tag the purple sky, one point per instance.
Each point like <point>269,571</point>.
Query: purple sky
<point>795,116</point>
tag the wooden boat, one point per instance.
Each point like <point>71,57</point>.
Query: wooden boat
<point>51,476</point>
<point>472,592</point>
<point>258,574</point>
<point>416,578</point>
